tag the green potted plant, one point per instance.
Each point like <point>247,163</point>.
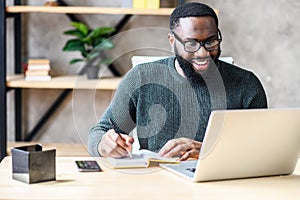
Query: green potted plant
<point>91,43</point>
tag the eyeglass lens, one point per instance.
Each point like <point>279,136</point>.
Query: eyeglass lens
<point>194,45</point>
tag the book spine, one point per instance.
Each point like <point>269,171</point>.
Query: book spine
<point>39,61</point>
<point>139,4</point>
<point>34,67</point>
<point>38,78</point>
<point>37,73</point>
<point>153,4</point>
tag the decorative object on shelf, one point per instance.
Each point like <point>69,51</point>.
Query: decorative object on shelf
<point>51,3</point>
<point>38,70</point>
<point>91,43</point>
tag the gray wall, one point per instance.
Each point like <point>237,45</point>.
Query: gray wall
<point>261,36</point>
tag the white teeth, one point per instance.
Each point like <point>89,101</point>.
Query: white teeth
<point>201,62</point>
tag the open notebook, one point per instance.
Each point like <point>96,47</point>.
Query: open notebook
<point>245,143</point>
<point>141,159</point>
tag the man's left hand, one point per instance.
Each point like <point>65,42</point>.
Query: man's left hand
<point>184,147</point>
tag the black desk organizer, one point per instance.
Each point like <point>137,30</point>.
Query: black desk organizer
<point>32,165</point>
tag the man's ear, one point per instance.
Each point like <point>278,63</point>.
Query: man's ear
<point>171,40</point>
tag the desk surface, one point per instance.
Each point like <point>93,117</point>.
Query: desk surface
<point>62,149</point>
<point>155,184</point>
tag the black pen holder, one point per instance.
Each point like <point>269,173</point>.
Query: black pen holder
<point>32,165</point>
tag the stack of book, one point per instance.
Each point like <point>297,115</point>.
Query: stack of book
<point>38,70</point>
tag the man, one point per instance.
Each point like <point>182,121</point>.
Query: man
<point>169,101</point>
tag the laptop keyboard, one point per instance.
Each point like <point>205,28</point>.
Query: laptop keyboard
<point>191,169</point>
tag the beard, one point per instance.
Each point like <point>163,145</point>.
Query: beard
<point>192,76</point>
<point>187,68</point>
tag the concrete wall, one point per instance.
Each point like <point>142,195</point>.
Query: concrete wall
<point>261,36</point>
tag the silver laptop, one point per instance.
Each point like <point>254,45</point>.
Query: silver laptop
<point>244,144</point>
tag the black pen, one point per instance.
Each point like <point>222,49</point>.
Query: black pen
<point>113,127</point>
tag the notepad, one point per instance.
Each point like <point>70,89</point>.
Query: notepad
<point>142,159</point>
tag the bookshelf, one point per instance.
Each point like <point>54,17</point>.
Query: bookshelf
<point>16,81</point>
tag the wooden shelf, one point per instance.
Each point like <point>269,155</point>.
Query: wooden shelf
<point>64,82</point>
<point>88,10</point>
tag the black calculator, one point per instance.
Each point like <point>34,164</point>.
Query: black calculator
<point>88,166</point>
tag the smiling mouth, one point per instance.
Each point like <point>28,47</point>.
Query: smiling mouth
<point>200,62</point>
<point>200,65</point>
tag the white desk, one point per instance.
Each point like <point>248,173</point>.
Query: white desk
<point>111,184</point>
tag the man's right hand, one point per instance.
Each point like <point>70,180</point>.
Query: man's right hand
<point>112,145</point>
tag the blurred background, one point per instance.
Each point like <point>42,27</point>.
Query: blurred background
<point>261,36</point>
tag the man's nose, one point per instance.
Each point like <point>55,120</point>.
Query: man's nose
<point>202,52</point>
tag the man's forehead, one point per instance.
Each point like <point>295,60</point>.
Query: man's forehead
<point>196,24</point>
<point>208,20</point>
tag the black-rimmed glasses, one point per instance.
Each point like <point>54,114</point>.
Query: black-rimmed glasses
<point>193,46</point>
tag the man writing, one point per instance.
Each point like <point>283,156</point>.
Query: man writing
<point>169,101</point>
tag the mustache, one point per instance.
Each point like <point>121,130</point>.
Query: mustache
<point>201,58</point>
<point>191,60</point>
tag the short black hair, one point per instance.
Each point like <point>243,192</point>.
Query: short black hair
<point>192,9</point>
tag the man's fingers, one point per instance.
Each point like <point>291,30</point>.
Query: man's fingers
<point>125,141</point>
<point>113,145</point>
<point>112,149</point>
<point>167,147</point>
<point>184,147</point>
<point>194,153</point>
<point>176,151</point>
<point>175,146</point>
<point>185,156</point>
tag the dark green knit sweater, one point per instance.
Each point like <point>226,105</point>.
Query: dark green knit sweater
<point>163,105</point>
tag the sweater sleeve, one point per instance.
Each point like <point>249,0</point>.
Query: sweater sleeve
<point>121,111</point>
<point>254,96</point>
<point>94,139</point>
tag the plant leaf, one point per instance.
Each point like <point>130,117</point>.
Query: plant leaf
<point>81,27</point>
<point>75,33</point>
<point>84,53</point>
<point>103,31</point>
<point>86,41</point>
<point>76,60</point>
<point>98,34</point>
<point>74,45</point>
